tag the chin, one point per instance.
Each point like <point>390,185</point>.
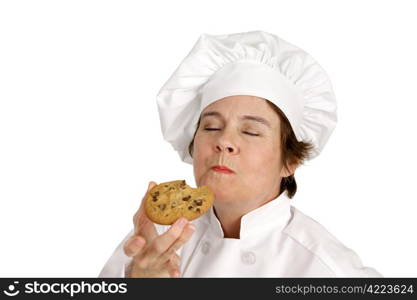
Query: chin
<point>214,181</point>
<point>222,193</point>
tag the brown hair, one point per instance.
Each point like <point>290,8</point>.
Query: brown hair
<point>293,151</point>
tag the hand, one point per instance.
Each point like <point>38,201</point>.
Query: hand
<point>154,255</point>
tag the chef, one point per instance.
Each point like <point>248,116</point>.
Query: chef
<point>246,110</point>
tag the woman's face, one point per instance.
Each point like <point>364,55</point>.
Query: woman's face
<point>243,134</point>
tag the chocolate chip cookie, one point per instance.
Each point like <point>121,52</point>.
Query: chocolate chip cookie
<point>169,201</point>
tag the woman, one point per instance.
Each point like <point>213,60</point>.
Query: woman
<point>246,110</point>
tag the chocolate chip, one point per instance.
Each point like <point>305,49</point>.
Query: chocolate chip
<point>155,196</point>
<point>187,198</point>
<point>198,210</point>
<point>190,207</point>
<point>198,202</point>
<point>162,206</point>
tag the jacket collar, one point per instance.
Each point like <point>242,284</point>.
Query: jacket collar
<point>273,214</point>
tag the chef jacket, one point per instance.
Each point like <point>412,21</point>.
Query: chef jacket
<point>276,240</point>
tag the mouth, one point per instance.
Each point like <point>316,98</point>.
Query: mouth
<point>222,169</point>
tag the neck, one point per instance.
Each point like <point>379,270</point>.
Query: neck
<point>230,215</point>
<point>230,223</point>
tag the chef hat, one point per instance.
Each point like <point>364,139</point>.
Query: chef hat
<point>252,63</point>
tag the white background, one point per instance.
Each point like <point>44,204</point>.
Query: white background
<point>80,136</point>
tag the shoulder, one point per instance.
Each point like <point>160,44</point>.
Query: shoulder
<point>314,238</point>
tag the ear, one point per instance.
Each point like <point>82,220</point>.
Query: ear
<point>290,171</point>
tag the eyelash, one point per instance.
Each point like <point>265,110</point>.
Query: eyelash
<point>212,129</point>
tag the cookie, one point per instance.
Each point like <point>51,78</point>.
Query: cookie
<point>169,201</point>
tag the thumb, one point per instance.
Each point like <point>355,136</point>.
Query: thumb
<point>141,221</point>
<point>141,208</point>
<point>151,185</point>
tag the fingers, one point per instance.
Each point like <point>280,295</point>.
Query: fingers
<point>161,244</point>
<point>141,208</point>
<point>134,246</point>
<point>170,253</point>
<point>173,270</point>
<point>165,240</point>
<point>178,243</point>
<point>160,254</point>
<point>184,237</point>
<point>151,185</point>
<point>173,265</point>
<point>175,259</point>
<point>144,226</point>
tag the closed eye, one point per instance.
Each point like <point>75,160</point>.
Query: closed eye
<point>246,132</point>
<point>249,133</point>
<point>210,129</point>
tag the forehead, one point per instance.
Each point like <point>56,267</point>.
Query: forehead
<point>251,107</point>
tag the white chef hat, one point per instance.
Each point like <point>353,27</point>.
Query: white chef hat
<point>253,63</point>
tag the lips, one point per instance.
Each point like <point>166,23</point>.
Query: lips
<point>222,169</point>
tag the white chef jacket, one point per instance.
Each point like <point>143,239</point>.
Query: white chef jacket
<point>276,240</point>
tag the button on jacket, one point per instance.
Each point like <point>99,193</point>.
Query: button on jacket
<point>276,240</point>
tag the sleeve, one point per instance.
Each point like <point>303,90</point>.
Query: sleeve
<point>345,262</point>
<point>369,272</point>
<point>118,262</point>
<point>339,259</point>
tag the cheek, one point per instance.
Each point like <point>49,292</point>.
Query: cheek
<point>200,148</point>
<point>262,162</point>
<point>200,154</point>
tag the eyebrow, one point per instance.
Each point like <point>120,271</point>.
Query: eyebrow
<point>244,117</point>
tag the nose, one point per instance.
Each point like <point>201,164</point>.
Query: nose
<point>224,144</point>
<point>229,149</point>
